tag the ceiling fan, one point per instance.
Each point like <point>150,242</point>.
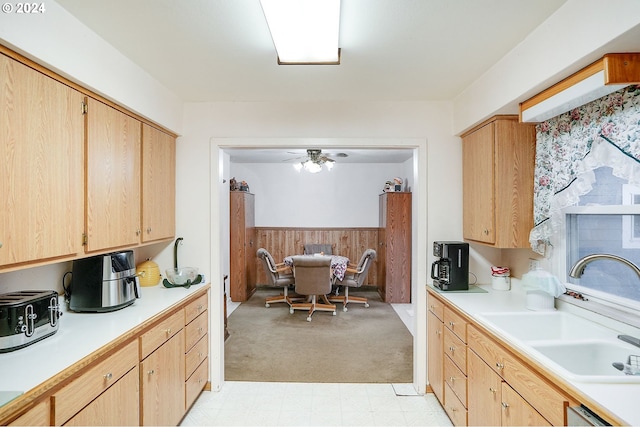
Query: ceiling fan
<point>313,161</point>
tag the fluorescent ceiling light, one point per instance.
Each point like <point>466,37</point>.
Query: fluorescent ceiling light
<point>304,31</point>
<point>612,72</point>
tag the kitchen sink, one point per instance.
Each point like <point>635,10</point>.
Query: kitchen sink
<point>546,325</point>
<point>590,360</point>
<point>575,347</point>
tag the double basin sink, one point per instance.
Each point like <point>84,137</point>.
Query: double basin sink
<point>576,348</point>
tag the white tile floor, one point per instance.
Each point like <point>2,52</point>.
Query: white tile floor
<point>301,404</point>
<point>313,404</point>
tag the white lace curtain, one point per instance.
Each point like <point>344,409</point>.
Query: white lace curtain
<point>569,147</point>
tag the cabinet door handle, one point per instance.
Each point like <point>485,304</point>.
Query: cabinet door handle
<point>452,379</point>
<point>486,232</point>
<point>108,376</point>
<point>492,390</point>
<point>499,365</point>
<point>505,405</point>
<point>138,232</point>
<point>148,230</point>
<point>200,307</point>
<point>452,349</point>
<point>151,372</point>
<point>168,331</point>
<point>451,324</point>
<point>200,330</point>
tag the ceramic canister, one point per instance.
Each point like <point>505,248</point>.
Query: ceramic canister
<point>149,273</point>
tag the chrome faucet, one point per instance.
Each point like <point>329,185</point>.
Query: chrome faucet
<point>578,269</point>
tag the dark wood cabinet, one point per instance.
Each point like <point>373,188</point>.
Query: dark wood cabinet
<point>242,251</point>
<point>394,248</point>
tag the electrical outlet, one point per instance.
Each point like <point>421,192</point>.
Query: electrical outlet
<point>534,264</point>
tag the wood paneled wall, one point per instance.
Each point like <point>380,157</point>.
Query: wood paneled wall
<point>349,242</point>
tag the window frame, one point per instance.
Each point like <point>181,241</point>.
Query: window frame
<point>561,251</point>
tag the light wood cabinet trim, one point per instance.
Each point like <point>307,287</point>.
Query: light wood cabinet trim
<point>454,408</point>
<point>195,308</point>
<point>117,406</point>
<point>39,68</point>
<point>195,330</point>
<point>196,355</point>
<point>456,349</point>
<point>456,379</point>
<point>196,383</point>
<point>82,390</point>
<point>161,333</point>
<point>39,415</point>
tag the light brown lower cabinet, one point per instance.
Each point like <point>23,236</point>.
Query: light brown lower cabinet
<point>118,406</point>
<point>151,377</point>
<point>479,381</point>
<point>39,415</point>
<point>162,384</point>
<point>493,403</point>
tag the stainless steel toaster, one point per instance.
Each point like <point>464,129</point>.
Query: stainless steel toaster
<point>27,317</point>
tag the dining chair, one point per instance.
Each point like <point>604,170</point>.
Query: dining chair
<point>318,248</point>
<point>313,279</point>
<point>354,277</point>
<point>278,275</point>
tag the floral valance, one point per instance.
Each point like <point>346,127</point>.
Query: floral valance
<point>605,132</point>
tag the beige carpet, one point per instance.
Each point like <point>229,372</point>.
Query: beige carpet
<point>363,345</point>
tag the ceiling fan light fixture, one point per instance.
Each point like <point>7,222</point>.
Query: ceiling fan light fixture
<point>312,167</point>
<point>304,31</point>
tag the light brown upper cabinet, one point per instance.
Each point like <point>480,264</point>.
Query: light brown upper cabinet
<point>158,184</point>
<point>113,178</point>
<point>41,172</point>
<point>498,161</point>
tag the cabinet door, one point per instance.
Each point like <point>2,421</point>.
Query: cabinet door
<point>162,378</point>
<point>118,406</point>
<point>113,178</point>
<point>39,415</point>
<point>41,172</point>
<point>517,412</point>
<point>483,393</point>
<point>435,355</point>
<point>478,171</point>
<point>158,184</point>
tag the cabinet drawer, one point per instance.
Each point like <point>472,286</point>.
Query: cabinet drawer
<point>435,306</point>
<point>197,307</point>
<point>160,333</point>
<point>456,324</point>
<point>196,355</point>
<point>456,380</point>
<point>196,330</point>
<point>455,349</point>
<point>532,386</point>
<point>76,395</point>
<point>197,382</point>
<point>454,408</point>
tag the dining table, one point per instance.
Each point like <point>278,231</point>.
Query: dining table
<point>339,263</point>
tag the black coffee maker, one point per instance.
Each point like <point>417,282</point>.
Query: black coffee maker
<point>451,271</point>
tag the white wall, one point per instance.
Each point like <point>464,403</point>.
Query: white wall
<point>579,33</point>
<point>60,42</point>
<point>346,196</point>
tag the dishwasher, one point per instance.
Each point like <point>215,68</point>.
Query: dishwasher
<point>582,416</point>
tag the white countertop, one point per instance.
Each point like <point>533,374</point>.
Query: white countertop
<point>80,334</point>
<point>619,399</point>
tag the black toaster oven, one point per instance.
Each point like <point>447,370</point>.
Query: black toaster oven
<point>27,317</point>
